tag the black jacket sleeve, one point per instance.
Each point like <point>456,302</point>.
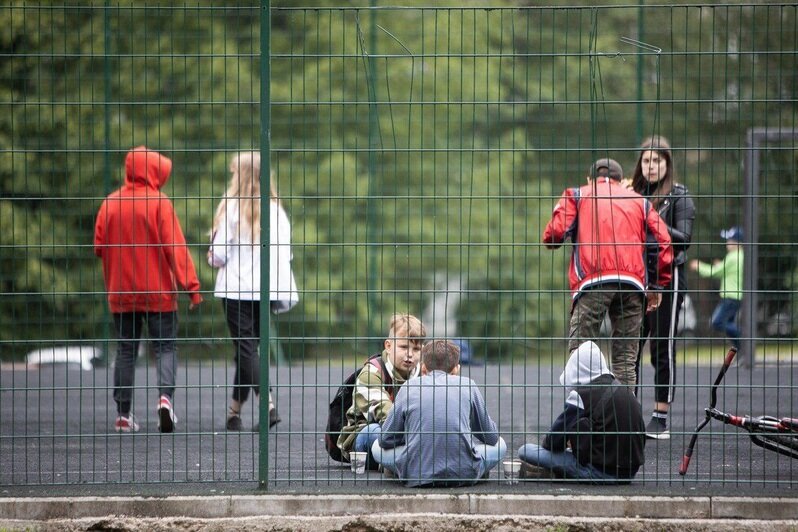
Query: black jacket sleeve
<point>680,223</point>
<point>562,429</point>
<point>683,217</point>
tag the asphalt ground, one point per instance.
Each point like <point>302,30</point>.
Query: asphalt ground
<point>56,435</point>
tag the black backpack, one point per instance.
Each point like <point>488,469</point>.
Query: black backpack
<point>336,417</point>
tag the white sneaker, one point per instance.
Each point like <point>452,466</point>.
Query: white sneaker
<point>166,415</point>
<point>126,424</point>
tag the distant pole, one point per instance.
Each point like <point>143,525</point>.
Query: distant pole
<point>107,98</point>
<point>265,205</point>
<point>756,141</point>
<point>640,67</point>
<point>374,247</point>
<point>750,248</point>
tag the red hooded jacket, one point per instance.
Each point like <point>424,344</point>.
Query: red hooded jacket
<point>139,239</point>
<point>613,230</point>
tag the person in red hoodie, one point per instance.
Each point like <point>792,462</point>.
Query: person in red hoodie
<point>144,255</point>
<point>614,232</point>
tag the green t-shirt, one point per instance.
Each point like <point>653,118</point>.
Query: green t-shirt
<point>730,273</point>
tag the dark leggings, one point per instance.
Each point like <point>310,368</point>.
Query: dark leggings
<point>659,328</point>
<point>243,319</point>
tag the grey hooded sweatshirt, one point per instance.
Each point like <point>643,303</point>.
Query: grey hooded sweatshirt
<point>602,421</point>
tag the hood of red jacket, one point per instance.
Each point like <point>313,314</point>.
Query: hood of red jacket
<point>147,167</point>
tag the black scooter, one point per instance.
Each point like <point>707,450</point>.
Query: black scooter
<point>773,434</point>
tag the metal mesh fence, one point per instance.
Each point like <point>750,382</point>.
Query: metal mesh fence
<point>418,153</point>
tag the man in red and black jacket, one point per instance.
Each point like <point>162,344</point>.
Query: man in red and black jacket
<point>613,231</point>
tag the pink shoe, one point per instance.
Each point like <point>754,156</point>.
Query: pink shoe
<point>166,415</point>
<point>126,424</point>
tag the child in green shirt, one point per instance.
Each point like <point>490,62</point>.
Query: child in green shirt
<point>730,273</point>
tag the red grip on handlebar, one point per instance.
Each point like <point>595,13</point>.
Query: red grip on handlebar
<point>685,465</point>
<point>730,356</point>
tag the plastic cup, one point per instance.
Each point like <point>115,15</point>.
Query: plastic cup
<point>358,462</point>
<point>512,470</point>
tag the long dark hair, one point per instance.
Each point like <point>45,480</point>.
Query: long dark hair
<point>640,184</point>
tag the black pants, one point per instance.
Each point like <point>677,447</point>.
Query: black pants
<point>243,319</point>
<point>162,328</point>
<point>659,328</point>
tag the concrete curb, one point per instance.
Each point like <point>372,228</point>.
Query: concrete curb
<point>47,508</point>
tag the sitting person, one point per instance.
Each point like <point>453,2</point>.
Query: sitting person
<point>439,432</point>
<point>600,435</point>
<point>376,385</point>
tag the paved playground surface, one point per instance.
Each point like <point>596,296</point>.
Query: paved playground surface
<point>56,434</point>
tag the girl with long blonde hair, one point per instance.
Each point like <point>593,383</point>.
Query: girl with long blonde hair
<point>235,250</point>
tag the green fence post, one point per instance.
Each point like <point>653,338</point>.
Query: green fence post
<point>265,205</point>
<point>106,331</point>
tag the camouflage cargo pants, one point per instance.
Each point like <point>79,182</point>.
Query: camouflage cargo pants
<point>625,306</point>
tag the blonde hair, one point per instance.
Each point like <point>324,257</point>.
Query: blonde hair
<point>244,188</point>
<point>407,326</point>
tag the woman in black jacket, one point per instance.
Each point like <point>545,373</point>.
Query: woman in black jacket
<point>654,179</point>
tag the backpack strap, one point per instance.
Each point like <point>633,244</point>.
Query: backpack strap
<point>387,381</point>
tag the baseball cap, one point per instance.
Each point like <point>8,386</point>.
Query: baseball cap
<point>733,233</point>
<point>608,167</point>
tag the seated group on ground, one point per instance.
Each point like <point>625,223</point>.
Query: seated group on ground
<point>419,420</point>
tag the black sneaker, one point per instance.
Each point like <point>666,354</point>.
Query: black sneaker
<point>657,430</point>
<point>234,423</point>
<point>166,415</point>
<point>274,417</point>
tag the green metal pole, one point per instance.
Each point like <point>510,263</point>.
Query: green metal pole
<point>106,142</point>
<point>372,166</point>
<point>265,222</point>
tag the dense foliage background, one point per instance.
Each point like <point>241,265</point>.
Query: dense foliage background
<point>407,143</point>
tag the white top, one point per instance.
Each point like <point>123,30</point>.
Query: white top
<point>238,260</point>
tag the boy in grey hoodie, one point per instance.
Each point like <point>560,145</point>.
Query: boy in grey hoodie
<point>600,435</point>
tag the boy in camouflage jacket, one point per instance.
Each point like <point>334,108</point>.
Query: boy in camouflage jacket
<point>372,398</point>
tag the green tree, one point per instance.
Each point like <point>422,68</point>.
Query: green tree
<point>407,142</point>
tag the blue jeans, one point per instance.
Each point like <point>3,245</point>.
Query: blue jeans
<point>566,464</point>
<point>724,319</point>
<point>366,437</point>
<point>364,440</point>
<point>489,455</point>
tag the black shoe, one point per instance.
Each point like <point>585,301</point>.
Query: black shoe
<point>166,415</point>
<point>234,423</point>
<point>371,463</point>
<point>274,417</point>
<point>657,430</point>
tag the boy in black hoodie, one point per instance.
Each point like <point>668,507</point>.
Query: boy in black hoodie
<point>600,436</point>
